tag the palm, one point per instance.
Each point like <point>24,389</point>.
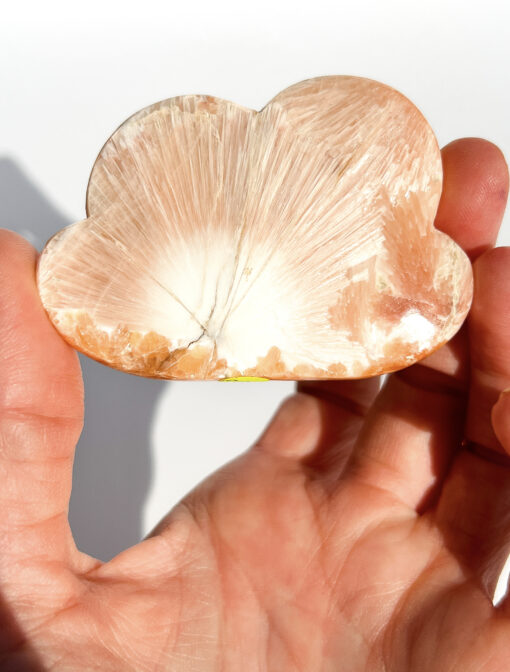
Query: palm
<point>348,538</point>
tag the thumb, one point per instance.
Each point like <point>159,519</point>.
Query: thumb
<point>41,411</point>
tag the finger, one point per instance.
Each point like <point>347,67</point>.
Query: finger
<point>475,169</point>
<point>406,444</point>
<point>472,512</point>
<point>342,407</point>
<point>500,415</point>
<point>489,331</point>
<point>41,411</point>
<point>305,428</point>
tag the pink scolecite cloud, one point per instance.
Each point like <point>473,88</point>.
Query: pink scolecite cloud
<point>296,242</point>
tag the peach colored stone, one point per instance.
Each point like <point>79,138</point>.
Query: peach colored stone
<point>296,242</point>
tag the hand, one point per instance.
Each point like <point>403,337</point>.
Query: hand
<point>356,535</point>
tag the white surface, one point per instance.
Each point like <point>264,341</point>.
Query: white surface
<point>70,72</point>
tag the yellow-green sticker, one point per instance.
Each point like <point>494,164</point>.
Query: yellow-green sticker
<point>244,379</point>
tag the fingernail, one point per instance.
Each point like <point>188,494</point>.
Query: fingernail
<point>503,396</point>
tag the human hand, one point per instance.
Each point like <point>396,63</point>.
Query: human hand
<point>356,535</point>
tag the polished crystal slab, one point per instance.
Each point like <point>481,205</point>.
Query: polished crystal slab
<point>292,243</point>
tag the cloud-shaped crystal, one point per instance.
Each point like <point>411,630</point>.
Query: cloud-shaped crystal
<point>296,242</point>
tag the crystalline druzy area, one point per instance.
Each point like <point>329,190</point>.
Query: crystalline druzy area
<point>291,243</point>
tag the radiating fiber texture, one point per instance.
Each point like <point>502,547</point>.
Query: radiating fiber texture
<point>292,243</point>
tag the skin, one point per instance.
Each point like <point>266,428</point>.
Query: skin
<point>360,533</point>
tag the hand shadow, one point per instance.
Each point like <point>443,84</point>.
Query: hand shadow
<point>112,469</point>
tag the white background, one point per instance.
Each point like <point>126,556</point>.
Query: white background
<point>70,72</point>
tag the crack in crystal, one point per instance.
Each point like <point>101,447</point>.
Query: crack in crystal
<point>144,270</point>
